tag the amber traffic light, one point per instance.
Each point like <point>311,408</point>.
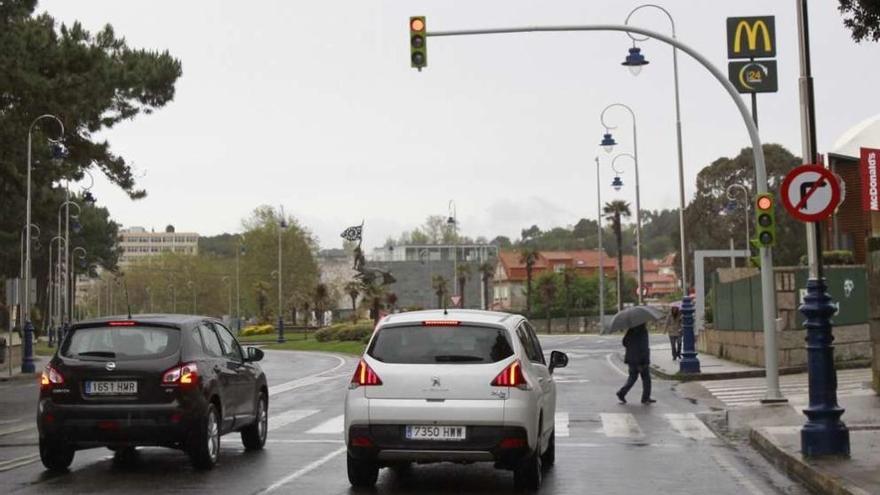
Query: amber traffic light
<point>765,220</point>
<point>418,42</point>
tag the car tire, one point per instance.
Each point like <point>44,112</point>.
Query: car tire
<point>529,474</point>
<point>548,459</point>
<point>56,455</point>
<point>253,436</point>
<point>362,473</point>
<point>125,457</point>
<point>204,449</point>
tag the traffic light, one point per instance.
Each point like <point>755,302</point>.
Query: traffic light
<point>765,220</point>
<point>418,43</point>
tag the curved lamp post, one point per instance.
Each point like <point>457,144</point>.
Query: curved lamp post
<point>601,249</point>
<point>453,220</point>
<point>53,289</point>
<point>64,265</point>
<point>72,293</point>
<point>227,281</point>
<point>617,184</point>
<point>282,224</point>
<point>731,196</point>
<point>27,361</point>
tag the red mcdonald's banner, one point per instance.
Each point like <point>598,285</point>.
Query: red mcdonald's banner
<point>870,181</point>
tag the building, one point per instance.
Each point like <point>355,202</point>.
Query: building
<point>136,243</point>
<point>435,252</point>
<point>850,226</point>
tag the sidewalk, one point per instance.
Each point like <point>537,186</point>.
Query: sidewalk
<point>39,364</point>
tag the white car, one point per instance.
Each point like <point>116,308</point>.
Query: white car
<point>458,386</point>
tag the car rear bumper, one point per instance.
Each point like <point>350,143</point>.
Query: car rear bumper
<point>504,445</point>
<point>87,425</point>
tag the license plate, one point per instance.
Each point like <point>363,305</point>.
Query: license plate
<point>444,433</point>
<point>118,387</point>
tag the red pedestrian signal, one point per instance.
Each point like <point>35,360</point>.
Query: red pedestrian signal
<point>418,45</point>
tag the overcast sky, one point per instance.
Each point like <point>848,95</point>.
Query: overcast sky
<point>313,105</point>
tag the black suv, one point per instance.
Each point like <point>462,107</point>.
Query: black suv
<point>160,380</point>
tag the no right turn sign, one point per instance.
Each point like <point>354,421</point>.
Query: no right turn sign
<point>810,193</point>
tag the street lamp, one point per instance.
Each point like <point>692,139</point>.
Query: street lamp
<point>27,361</point>
<point>53,289</point>
<point>192,286</point>
<point>453,221</point>
<point>282,224</point>
<point>601,249</point>
<point>731,196</point>
<point>64,265</point>
<point>617,184</point>
<point>689,362</point>
<point>240,251</point>
<point>229,290</point>
<point>72,292</point>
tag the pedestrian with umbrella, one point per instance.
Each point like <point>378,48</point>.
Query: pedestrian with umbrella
<point>637,345</point>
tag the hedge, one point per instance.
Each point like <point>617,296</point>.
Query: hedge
<point>257,330</point>
<point>352,332</point>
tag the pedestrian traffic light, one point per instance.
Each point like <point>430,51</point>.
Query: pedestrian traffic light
<point>765,220</point>
<point>418,43</point>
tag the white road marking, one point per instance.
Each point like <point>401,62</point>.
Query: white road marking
<point>610,363</point>
<point>304,471</point>
<point>307,380</point>
<point>18,462</point>
<point>735,474</point>
<point>329,427</point>
<point>561,426</point>
<point>18,429</point>
<point>689,426</point>
<point>287,417</point>
<point>294,440</point>
<point>620,425</point>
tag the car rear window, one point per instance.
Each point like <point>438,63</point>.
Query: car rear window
<point>445,345</point>
<point>121,343</point>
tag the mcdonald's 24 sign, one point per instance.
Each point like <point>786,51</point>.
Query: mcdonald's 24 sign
<point>751,37</point>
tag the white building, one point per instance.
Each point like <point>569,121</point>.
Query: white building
<point>137,243</point>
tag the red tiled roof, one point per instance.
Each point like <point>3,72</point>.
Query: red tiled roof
<point>583,260</point>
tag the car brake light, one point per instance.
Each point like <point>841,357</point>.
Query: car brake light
<point>512,376</point>
<point>185,375</point>
<point>50,378</point>
<point>127,323</point>
<point>364,376</point>
<point>513,443</point>
<point>441,323</point>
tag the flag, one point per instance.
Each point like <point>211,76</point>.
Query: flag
<point>352,233</point>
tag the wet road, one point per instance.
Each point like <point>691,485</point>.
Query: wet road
<point>602,446</point>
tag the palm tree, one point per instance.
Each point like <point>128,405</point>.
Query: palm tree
<point>529,255</point>
<point>487,271</point>
<point>353,289</point>
<point>547,293</point>
<point>261,291</point>
<point>321,297</point>
<point>439,284</point>
<point>568,277</point>
<point>391,299</point>
<point>463,273</point>
<point>373,297</point>
<point>615,210</point>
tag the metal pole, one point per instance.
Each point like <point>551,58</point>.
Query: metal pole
<point>281,225</point>
<point>237,290</point>
<point>824,433</point>
<point>601,249</point>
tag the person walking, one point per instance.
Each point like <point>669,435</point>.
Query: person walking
<point>638,358</point>
<point>673,329</point>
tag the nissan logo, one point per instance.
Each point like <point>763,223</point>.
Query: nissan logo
<point>110,366</point>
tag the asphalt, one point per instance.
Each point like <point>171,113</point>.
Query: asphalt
<point>602,446</point>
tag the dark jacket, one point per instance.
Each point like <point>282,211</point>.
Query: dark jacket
<point>635,341</point>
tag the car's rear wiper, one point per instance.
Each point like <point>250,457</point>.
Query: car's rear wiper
<point>456,358</point>
<point>105,354</point>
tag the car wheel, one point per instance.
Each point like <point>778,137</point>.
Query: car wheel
<point>530,471</point>
<point>56,455</point>
<point>549,457</point>
<point>253,436</point>
<point>205,446</point>
<point>362,473</point>
<point>125,457</point>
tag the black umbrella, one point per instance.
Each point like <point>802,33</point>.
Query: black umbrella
<point>632,317</point>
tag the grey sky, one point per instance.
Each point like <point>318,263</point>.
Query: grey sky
<point>313,104</point>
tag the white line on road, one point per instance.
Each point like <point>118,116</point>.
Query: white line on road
<point>304,471</point>
<point>18,429</point>
<point>610,363</point>
<point>307,380</point>
<point>288,417</point>
<point>18,462</point>
<point>329,427</point>
<point>620,425</point>
<point>290,440</point>
<point>689,426</point>
<point>561,426</point>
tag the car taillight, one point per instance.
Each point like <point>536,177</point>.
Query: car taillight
<point>512,376</point>
<point>364,376</point>
<point>185,375</point>
<point>50,378</point>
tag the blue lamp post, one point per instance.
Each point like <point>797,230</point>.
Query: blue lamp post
<point>617,183</point>
<point>608,142</point>
<point>635,60</point>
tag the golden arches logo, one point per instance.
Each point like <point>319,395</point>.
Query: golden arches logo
<point>752,31</point>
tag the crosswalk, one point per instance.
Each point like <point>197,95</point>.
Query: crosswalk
<point>611,425</point>
<point>747,392</point>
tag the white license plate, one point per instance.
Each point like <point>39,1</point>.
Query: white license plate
<point>446,433</point>
<point>118,387</point>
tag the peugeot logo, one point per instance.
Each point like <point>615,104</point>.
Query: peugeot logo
<point>110,366</point>
<point>435,381</point>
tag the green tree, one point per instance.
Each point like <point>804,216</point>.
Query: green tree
<point>569,275</point>
<point>547,290</point>
<point>528,255</point>
<point>321,298</point>
<point>353,290</point>
<point>616,210</point>
<point>862,17</point>
<point>440,284</point>
<point>261,295</point>
<point>462,274</point>
<point>487,272</point>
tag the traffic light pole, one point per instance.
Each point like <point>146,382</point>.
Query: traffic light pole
<point>761,185</point>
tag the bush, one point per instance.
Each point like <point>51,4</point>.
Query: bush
<point>351,332</point>
<point>834,258</point>
<point>257,330</point>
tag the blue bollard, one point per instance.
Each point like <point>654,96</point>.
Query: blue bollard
<point>281,330</point>
<point>689,362</point>
<point>824,433</point>
<point>27,345</point>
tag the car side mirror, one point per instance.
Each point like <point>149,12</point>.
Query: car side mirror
<point>253,354</point>
<point>558,360</point>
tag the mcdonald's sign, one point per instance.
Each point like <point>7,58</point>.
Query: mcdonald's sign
<point>751,37</point>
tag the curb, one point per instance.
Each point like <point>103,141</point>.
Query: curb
<point>756,373</point>
<point>793,465</point>
<point>19,377</point>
